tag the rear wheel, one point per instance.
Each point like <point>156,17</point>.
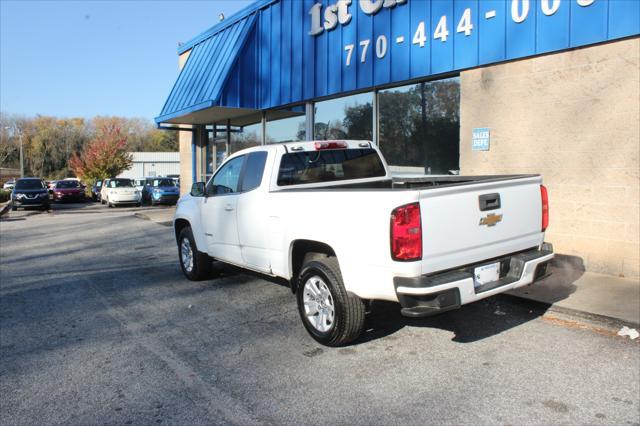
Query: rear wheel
<point>330,314</point>
<point>195,265</point>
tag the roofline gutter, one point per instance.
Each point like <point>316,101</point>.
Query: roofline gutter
<point>159,126</point>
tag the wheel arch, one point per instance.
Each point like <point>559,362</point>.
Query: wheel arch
<point>298,250</point>
<point>179,225</point>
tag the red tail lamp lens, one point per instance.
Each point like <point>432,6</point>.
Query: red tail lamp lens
<point>406,233</point>
<point>545,207</point>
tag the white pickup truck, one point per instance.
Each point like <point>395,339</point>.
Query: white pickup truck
<point>328,217</point>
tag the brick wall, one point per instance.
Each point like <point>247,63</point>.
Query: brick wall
<point>573,117</point>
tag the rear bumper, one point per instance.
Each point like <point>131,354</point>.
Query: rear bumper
<point>25,202</point>
<point>68,197</point>
<point>124,199</point>
<point>166,199</point>
<point>434,293</point>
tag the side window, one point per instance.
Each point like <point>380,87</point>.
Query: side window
<point>226,179</point>
<point>254,170</point>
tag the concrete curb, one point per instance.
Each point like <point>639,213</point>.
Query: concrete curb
<point>4,208</point>
<point>607,321</point>
<point>146,217</point>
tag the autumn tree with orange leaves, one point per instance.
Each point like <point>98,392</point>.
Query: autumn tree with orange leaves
<point>105,156</point>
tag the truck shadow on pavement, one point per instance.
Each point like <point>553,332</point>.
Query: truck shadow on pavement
<point>482,319</point>
<point>470,323</point>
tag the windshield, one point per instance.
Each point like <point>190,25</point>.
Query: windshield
<point>29,184</point>
<point>327,166</point>
<point>120,183</point>
<point>68,184</point>
<point>162,182</point>
<point>99,183</point>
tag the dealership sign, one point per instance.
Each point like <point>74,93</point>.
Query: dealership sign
<point>339,13</point>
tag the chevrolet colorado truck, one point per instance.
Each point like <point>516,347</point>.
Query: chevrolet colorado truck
<point>329,217</point>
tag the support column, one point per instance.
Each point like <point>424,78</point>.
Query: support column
<point>263,121</point>
<point>228,144</point>
<point>310,119</point>
<point>375,134</point>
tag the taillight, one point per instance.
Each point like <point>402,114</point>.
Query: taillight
<point>406,233</point>
<point>330,145</point>
<point>545,207</point>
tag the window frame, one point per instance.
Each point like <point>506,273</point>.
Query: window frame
<point>243,170</point>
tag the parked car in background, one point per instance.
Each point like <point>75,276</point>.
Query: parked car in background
<point>50,185</point>
<point>9,184</point>
<point>30,192</point>
<point>103,190</point>
<point>121,191</point>
<point>176,179</point>
<point>139,183</point>
<point>95,190</point>
<point>160,191</point>
<point>68,190</point>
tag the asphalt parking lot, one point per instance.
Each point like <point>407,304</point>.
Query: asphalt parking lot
<point>98,326</point>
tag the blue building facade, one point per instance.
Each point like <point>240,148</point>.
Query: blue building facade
<point>441,87</point>
<point>284,52</point>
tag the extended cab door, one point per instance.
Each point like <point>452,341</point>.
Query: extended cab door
<point>218,212</point>
<point>252,215</point>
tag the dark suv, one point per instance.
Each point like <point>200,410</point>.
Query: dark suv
<point>30,192</point>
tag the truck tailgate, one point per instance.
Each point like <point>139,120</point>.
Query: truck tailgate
<point>463,224</point>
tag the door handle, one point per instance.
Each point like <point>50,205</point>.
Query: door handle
<point>228,207</point>
<point>489,201</point>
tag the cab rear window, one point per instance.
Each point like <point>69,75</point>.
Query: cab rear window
<point>298,168</point>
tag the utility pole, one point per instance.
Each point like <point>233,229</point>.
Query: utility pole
<point>21,155</point>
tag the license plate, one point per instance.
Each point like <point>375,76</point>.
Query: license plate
<point>486,274</point>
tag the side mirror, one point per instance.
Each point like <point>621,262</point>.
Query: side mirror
<point>198,189</point>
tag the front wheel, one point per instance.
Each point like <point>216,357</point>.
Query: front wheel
<point>195,265</point>
<point>330,314</point>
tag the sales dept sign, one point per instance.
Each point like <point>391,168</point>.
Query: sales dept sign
<point>480,139</point>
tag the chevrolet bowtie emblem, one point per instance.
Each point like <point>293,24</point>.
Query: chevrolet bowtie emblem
<point>491,219</point>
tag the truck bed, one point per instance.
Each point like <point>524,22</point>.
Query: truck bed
<point>413,183</point>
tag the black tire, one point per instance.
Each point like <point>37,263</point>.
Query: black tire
<point>349,309</point>
<point>201,268</point>
<point>138,204</point>
<point>14,208</point>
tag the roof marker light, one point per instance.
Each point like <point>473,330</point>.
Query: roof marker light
<point>330,145</point>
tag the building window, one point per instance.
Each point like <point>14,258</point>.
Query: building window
<point>286,125</point>
<point>350,117</point>
<point>246,137</point>
<point>216,149</point>
<point>420,127</point>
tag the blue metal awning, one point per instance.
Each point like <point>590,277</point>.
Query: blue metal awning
<point>201,82</point>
